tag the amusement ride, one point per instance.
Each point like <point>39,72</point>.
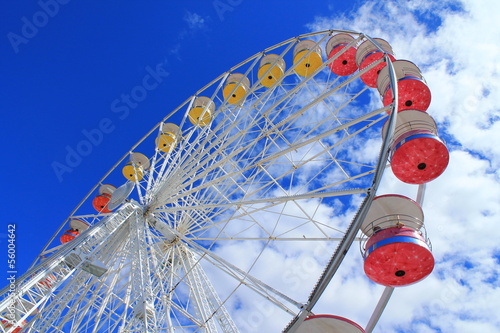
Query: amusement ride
<point>281,153</point>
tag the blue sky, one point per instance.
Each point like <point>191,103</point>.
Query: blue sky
<point>78,70</point>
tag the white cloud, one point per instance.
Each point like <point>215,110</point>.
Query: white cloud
<point>195,21</point>
<point>454,43</point>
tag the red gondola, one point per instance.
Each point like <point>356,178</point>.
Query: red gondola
<point>367,54</point>
<point>100,203</point>
<point>345,63</point>
<point>397,256</point>
<point>413,92</point>
<point>329,323</point>
<point>69,235</point>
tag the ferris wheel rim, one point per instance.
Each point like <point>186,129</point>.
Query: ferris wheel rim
<point>368,191</point>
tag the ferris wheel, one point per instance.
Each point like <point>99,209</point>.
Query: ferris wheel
<point>280,155</point>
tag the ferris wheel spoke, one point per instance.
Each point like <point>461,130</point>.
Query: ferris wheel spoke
<point>226,144</point>
<point>252,207</point>
<point>307,218</point>
<point>250,211</point>
<point>269,200</point>
<point>272,157</point>
<point>242,276</point>
<point>277,239</point>
<point>173,262</point>
<point>258,287</point>
<point>198,288</point>
<point>152,173</point>
<point>224,204</point>
<point>107,312</point>
<point>199,159</point>
<point>236,273</point>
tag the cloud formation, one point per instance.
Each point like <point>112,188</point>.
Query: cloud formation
<point>453,43</point>
<point>194,21</point>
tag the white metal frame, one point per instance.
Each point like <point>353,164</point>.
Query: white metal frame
<point>157,248</point>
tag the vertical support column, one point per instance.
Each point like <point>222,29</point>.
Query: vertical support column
<point>141,275</point>
<point>221,314</point>
<point>198,290</point>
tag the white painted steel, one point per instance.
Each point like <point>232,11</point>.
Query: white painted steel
<point>284,170</point>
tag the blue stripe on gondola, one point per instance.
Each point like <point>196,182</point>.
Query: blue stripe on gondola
<point>416,136</point>
<point>341,44</point>
<point>369,54</point>
<point>410,77</point>
<point>392,240</point>
<point>402,79</point>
